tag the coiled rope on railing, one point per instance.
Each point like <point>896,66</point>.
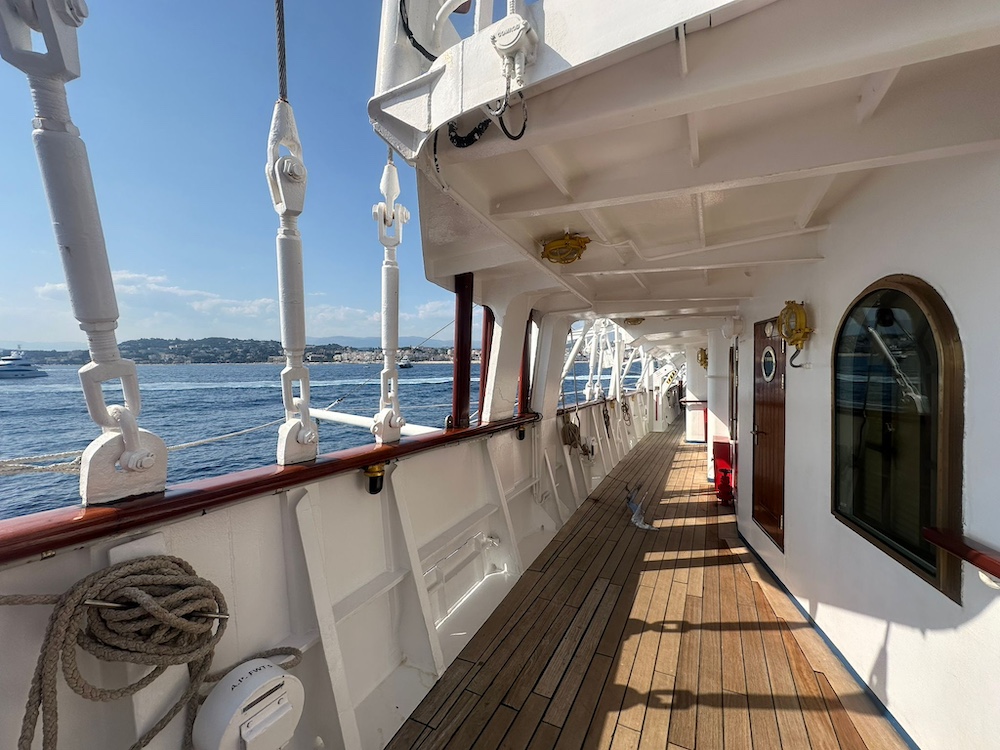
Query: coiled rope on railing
<point>168,616</point>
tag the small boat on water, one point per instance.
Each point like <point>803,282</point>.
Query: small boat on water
<point>405,363</point>
<point>15,367</point>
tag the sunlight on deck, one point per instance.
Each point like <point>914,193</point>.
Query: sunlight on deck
<point>628,639</point>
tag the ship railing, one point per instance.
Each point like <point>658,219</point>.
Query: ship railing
<point>986,559</point>
<point>356,420</point>
<point>42,534</point>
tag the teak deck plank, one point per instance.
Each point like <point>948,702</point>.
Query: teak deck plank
<point>847,733</point>
<point>763,720</point>
<point>573,676</point>
<point>616,638</point>
<point>527,721</point>
<point>817,718</point>
<point>791,725</point>
<point>657,720</point>
<point>709,730</point>
<point>683,716</point>
<point>407,736</point>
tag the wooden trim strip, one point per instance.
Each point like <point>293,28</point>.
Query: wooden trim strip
<point>984,558</point>
<point>44,533</point>
<point>489,321</point>
<point>524,376</point>
<point>462,372</point>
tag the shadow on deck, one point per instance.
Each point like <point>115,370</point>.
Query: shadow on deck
<point>621,638</point>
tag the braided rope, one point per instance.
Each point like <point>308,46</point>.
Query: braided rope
<point>160,627</point>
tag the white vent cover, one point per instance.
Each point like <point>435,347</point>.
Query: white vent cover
<point>256,706</point>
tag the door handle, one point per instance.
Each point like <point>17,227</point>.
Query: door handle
<point>757,432</point>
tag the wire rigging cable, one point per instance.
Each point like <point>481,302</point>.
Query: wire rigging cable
<point>404,17</point>
<point>279,25</point>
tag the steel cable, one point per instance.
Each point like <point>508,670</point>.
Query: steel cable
<point>279,23</point>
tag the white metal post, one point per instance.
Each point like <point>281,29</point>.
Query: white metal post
<point>390,218</point>
<point>625,369</point>
<point>569,365</point>
<point>124,460</point>
<point>616,380</point>
<point>286,178</point>
<point>589,392</point>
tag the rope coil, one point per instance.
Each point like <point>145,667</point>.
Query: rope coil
<point>164,621</point>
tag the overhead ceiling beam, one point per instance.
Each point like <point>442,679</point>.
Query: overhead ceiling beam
<point>790,248</point>
<point>694,146</point>
<point>604,235</point>
<point>751,59</point>
<point>546,161</point>
<point>682,50</point>
<point>813,197</point>
<point>520,241</point>
<point>652,326</point>
<point>705,266</point>
<point>699,210</point>
<point>873,91</point>
<point>710,306</point>
<point>744,236</point>
<point>946,116</point>
<point>686,335</point>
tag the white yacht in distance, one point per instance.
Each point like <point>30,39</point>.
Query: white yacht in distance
<point>15,367</point>
<point>771,207</point>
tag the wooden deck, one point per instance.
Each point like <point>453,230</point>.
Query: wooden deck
<point>627,639</point>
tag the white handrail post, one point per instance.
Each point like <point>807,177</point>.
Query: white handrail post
<point>623,371</point>
<point>124,460</point>
<point>616,372</point>
<point>390,218</point>
<point>286,177</point>
<point>589,393</point>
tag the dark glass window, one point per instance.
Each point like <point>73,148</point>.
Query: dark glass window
<point>887,420</point>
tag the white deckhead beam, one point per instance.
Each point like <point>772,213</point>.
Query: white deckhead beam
<point>943,116</point>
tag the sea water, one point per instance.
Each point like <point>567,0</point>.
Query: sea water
<point>185,403</point>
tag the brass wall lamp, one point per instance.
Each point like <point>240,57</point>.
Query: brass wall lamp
<point>703,358</point>
<point>793,327</point>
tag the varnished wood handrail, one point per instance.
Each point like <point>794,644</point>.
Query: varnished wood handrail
<point>42,534</point>
<point>984,558</point>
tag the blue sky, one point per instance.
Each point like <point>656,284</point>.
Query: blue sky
<point>174,104</point>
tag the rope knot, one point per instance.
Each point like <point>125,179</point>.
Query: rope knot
<point>151,611</point>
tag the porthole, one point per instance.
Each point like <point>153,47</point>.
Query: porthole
<point>768,364</point>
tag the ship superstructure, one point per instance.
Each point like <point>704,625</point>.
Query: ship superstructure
<point>783,211</point>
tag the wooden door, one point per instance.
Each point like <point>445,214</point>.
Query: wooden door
<point>769,430</point>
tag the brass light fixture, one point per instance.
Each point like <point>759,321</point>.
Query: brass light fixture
<point>566,249</point>
<point>793,324</point>
<point>634,321</point>
<point>793,327</point>
<point>703,358</point>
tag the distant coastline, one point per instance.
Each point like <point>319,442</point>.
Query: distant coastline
<point>241,351</point>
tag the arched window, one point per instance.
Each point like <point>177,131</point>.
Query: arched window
<point>898,378</point>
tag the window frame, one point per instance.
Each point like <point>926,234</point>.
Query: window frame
<point>951,429</point>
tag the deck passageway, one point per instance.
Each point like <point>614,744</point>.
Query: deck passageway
<point>626,639</point>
